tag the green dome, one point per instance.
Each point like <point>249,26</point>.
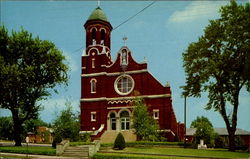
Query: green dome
<point>98,14</point>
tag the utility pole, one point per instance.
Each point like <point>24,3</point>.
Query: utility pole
<point>185,122</point>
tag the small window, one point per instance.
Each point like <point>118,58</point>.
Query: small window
<point>93,63</point>
<point>93,85</point>
<point>156,113</point>
<point>93,116</point>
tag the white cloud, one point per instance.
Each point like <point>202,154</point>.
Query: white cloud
<point>72,63</point>
<point>196,10</point>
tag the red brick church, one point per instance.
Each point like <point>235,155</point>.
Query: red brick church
<point>107,88</point>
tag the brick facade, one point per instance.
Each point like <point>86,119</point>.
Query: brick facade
<point>108,87</point>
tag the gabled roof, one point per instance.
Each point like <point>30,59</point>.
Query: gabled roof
<point>220,131</point>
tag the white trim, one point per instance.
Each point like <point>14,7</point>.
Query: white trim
<point>125,98</point>
<point>93,116</point>
<point>114,73</point>
<point>93,82</point>
<point>121,56</point>
<point>91,29</point>
<point>83,67</point>
<point>158,113</point>
<point>119,101</point>
<point>93,62</point>
<point>103,29</point>
<point>120,107</point>
<point>116,83</point>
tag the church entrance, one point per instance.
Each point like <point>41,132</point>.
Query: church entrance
<point>125,120</point>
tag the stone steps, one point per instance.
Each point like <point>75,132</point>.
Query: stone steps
<point>77,152</point>
<point>110,136</point>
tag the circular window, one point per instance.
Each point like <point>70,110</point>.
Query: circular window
<point>124,84</point>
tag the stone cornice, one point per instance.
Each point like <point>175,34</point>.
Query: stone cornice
<point>117,99</point>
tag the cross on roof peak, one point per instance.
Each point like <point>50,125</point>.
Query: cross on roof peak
<point>124,39</point>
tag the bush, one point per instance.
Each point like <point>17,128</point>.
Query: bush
<point>119,142</point>
<point>85,137</point>
<point>219,143</point>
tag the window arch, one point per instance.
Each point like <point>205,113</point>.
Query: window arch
<point>93,85</point>
<point>102,36</point>
<point>125,120</point>
<point>93,31</point>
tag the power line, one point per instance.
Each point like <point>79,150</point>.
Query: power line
<point>125,21</point>
<point>134,15</point>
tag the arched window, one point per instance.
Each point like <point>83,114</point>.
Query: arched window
<point>102,37</point>
<point>93,86</point>
<point>94,36</point>
<point>125,120</point>
<point>112,121</point>
<point>124,57</point>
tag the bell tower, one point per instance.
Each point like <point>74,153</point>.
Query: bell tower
<point>98,33</point>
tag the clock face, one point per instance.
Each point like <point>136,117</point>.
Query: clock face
<point>124,84</point>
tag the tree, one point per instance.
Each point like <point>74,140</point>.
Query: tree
<point>204,130</point>
<point>32,125</point>
<point>6,128</point>
<point>66,125</point>
<point>29,69</point>
<point>143,123</point>
<point>119,142</point>
<point>219,63</point>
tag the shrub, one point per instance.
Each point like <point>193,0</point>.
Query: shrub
<point>219,143</point>
<point>119,142</point>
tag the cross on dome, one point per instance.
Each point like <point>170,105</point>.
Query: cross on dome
<point>98,3</point>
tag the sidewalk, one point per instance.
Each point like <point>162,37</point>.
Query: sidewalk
<point>13,155</point>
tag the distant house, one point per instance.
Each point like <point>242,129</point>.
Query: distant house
<point>43,135</point>
<point>245,135</point>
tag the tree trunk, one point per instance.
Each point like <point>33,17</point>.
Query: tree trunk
<point>17,128</point>
<point>231,138</point>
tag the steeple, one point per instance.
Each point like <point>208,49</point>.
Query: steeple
<point>98,33</point>
<point>98,29</point>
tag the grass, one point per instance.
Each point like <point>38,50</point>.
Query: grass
<point>147,143</point>
<point>213,153</point>
<point>36,150</point>
<point>131,156</point>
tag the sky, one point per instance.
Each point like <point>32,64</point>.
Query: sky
<point>160,33</point>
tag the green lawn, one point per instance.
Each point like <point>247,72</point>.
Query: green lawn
<point>38,150</point>
<point>131,156</point>
<point>220,153</point>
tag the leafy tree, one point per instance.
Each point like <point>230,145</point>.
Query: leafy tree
<point>6,128</point>
<point>219,63</point>
<point>29,69</point>
<point>119,142</point>
<point>204,130</point>
<point>33,124</point>
<point>143,123</point>
<point>66,125</point>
